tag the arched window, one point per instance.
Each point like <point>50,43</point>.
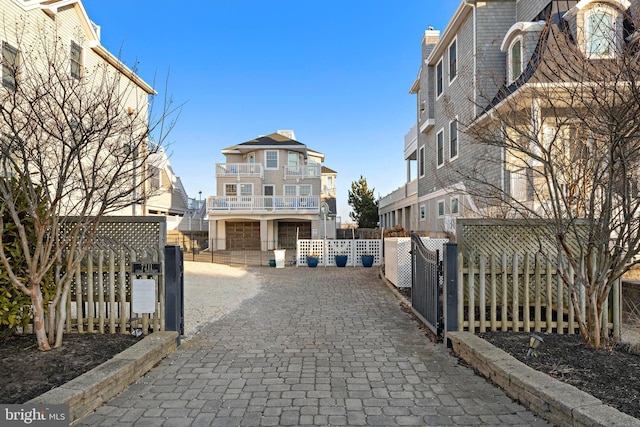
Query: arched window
<point>600,32</point>
<point>515,59</point>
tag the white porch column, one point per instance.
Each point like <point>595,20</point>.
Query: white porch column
<point>265,241</point>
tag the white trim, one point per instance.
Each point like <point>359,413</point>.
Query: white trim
<point>623,4</point>
<point>421,158</point>
<point>277,159</point>
<point>444,208</point>
<point>612,32</point>
<point>455,120</point>
<point>439,165</point>
<point>19,65</point>
<point>441,64</point>
<point>82,57</point>
<point>428,124</point>
<point>518,39</point>
<point>520,27</point>
<point>457,200</point>
<point>455,41</point>
<point>422,212</point>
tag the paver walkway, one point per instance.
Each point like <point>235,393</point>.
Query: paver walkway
<point>323,346</point>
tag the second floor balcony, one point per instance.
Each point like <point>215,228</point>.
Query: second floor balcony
<point>403,195</point>
<point>263,204</point>
<point>302,172</point>
<point>239,170</point>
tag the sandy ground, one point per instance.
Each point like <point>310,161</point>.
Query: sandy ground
<point>213,290</point>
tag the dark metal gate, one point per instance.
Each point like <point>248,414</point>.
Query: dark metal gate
<point>426,284</point>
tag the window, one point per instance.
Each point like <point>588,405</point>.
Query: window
<point>515,63</point>
<point>305,190</point>
<point>292,158</point>
<point>154,178</point>
<point>272,160</point>
<point>454,205</point>
<point>440,147</point>
<point>230,190</point>
<point>423,213</point>
<point>440,207</point>
<point>439,79</point>
<point>600,33</point>
<point>421,161</point>
<point>10,66</point>
<point>76,60</point>
<point>453,61</point>
<point>453,139</point>
<point>290,190</point>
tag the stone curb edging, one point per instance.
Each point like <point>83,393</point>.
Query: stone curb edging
<point>90,390</point>
<point>556,401</point>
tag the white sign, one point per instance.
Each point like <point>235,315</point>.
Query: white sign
<point>143,295</point>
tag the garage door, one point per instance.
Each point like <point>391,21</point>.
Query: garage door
<point>287,233</point>
<point>243,235</point>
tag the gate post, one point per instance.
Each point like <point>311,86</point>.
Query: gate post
<point>174,290</point>
<point>450,267</point>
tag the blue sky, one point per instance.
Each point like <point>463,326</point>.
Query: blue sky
<point>337,72</point>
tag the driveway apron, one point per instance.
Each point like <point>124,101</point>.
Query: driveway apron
<point>317,346</point>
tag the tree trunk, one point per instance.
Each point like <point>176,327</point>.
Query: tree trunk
<point>62,313</point>
<point>38,318</point>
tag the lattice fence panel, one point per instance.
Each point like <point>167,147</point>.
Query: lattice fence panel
<point>352,248</point>
<point>105,274</point>
<point>488,237</point>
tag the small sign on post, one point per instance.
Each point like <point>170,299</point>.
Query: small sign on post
<point>143,295</point>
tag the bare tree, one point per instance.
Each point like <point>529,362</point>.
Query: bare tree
<point>77,137</point>
<point>568,136</point>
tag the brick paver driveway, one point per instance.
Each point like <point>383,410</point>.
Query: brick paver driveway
<point>323,346</point>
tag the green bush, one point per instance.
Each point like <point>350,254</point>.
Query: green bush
<point>15,305</point>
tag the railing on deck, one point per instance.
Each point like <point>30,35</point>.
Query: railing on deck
<point>239,170</point>
<point>307,171</point>
<point>310,204</point>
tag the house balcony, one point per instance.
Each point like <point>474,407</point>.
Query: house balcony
<point>263,204</point>
<point>302,172</point>
<point>411,144</point>
<point>239,170</point>
<point>403,196</point>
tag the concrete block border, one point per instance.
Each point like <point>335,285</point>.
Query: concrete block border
<point>557,402</point>
<point>90,390</point>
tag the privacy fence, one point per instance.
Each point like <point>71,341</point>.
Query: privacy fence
<point>507,280</point>
<point>123,248</point>
<point>327,249</point>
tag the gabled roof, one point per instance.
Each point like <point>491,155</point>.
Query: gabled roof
<point>327,170</point>
<point>92,32</point>
<point>274,141</point>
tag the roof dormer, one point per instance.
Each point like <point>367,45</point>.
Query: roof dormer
<point>519,43</point>
<point>598,26</point>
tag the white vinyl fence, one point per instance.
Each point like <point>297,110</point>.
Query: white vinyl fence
<point>326,251</point>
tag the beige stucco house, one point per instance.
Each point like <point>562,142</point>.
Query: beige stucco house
<point>268,194</point>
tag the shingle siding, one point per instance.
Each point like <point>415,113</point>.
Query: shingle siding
<point>528,10</point>
<point>482,71</point>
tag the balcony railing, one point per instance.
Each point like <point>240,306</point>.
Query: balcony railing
<point>289,204</point>
<point>404,192</point>
<point>239,170</point>
<point>307,171</point>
